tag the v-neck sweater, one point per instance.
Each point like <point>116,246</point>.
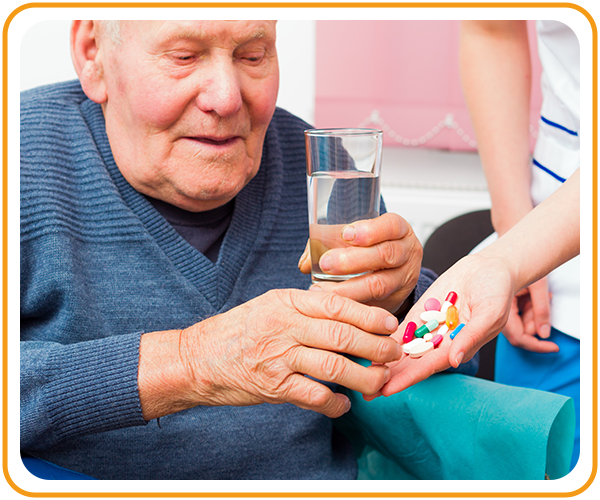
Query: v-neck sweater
<point>100,266</point>
<point>203,230</point>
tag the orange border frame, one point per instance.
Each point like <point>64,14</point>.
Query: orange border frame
<point>299,5</point>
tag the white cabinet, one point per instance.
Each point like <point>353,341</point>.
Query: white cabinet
<point>430,187</point>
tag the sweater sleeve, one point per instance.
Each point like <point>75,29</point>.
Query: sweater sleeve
<point>426,278</point>
<point>77,389</point>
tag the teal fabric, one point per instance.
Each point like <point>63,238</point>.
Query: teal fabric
<point>453,426</point>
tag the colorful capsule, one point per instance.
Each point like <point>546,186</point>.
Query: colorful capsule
<point>432,304</point>
<point>437,340</point>
<point>426,328</point>
<point>409,333</point>
<point>450,301</point>
<point>456,330</point>
<point>452,317</point>
<point>443,329</point>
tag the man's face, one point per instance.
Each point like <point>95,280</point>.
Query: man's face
<point>188,105</point>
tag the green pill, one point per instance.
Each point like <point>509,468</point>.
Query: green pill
<point>427,328</point>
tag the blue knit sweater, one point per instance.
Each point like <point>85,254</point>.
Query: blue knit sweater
<point>100,266</point>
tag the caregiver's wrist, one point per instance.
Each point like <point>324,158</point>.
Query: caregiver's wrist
<point>502,261</point>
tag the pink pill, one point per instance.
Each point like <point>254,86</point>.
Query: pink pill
<point>432,304</point>
<point>409,333</point>
<point>437,340</point>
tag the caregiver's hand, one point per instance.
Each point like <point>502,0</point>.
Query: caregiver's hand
<point>483,308</point>
<point>530,316</point>
<point>388,247</point>
<point>262,350</point>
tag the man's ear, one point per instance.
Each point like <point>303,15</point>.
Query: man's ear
<point>84,53</point>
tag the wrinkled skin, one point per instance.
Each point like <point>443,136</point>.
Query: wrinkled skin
<point>388,247</point>
<point>260,351</point>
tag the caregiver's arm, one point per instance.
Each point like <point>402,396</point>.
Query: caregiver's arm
<point>496,71</point>
<point>545,239</point>
<point>486,283</point>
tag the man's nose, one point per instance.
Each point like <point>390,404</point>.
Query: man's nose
<point>220,91</point>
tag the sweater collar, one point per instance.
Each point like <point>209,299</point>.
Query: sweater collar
<point>253,216</point>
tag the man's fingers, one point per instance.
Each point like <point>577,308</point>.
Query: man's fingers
<point>338,369</point>
<point>376,286</point>
<point>343,338</point>
<point>304,263</point>
<point>344,310</point>
<point>312,395</point>
<point>352,260</point>
<point>369,232</point>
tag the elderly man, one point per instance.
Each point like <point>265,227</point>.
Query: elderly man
<point>161,301</point>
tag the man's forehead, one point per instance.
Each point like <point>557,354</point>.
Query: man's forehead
<point>238,31</point>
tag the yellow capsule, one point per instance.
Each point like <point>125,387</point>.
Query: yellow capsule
<point>452,317</point>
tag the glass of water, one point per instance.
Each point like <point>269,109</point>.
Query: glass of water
<point>342,174</point>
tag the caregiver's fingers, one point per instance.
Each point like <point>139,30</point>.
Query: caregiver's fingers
<point>534,344</point>
<point>473,336</point>
<point>540,302</point>
<point>410,371</point>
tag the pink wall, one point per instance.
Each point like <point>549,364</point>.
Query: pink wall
<point>406,70</point>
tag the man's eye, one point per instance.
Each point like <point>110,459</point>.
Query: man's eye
<point>183,58</point>
<point>253,59</point>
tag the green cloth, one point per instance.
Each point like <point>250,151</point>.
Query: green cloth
<point>453,426</point>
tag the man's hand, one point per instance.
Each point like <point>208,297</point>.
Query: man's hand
<point>387,247</point>
<point>261,352</point>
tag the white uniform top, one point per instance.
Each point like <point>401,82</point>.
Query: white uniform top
<point>556,154</point>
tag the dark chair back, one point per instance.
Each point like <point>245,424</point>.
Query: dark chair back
<point>451,242</point>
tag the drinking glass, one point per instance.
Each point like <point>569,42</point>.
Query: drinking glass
<point>342,174</point>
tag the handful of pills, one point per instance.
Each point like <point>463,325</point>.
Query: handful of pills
<point>419,341</point>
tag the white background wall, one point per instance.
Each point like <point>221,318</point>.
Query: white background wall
<point>46,58</point>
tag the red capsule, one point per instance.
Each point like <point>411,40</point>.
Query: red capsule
<point>450,301</point>
<point>409,333</point>
<point>437,339</point>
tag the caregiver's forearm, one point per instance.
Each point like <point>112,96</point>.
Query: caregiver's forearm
<point>546,238</point>
<point>495,71</point>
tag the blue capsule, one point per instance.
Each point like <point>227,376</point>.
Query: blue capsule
<point>454,332</point>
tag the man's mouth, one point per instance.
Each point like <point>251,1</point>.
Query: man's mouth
<point>216,141</point>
